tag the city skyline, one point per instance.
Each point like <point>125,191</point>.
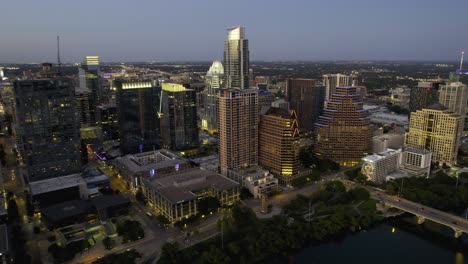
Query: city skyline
<point>299,31</point>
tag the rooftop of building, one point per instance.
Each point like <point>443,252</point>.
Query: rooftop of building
<point>145,161</point>
<point>183,185</point>
<point>94,179</point>
<point>233,92</point>
<point>107,201</point>
<point>54,184</point>
<point>275,111</point>
<point>253,172</point>
<point>381,155</point>
<point>437,106</point>
<point>418,151</point>
<point>65,210</point>
<point>209,162</point>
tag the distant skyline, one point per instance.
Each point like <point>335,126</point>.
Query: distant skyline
<point>163,31</point>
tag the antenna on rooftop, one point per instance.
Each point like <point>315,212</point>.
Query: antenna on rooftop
<point>58,56</point>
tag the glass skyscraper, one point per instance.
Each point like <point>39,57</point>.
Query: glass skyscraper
<point>46,127</point>
<point>179,128</point>
<point>214,81</point>
<point>137,114</point>
<point>236,59</point>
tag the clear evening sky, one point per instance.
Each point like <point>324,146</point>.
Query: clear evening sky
<point>176,30</point>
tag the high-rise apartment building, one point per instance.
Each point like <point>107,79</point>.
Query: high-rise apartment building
<point>306,98</point>
<point>343,132</point>
<point>137,112</point>
<point>438,130</point>
<point>423,95</point>
<point>331,81</point>
<point>213,81</point>
<point>238,128</point>
<point>179,128</point>
<point>236,59</point>
<point>46,127</point>
<point>278,132</point>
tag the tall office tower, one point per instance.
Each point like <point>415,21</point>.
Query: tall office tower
<point>307,99</point>
<point>278,131</point>
<point>89,76</point>
<point>106,116</point>
<point>179,128</point>
<point>138,103</point>
<point>423,95</point>
<point>454,96</point>
<point>236,59</point>
<point>238,128</point>
<point>85,108</point>
<point>343,132</point>
<point>46,128</point>
<point>214,81</point>
<point>438,130</point>
<point>331,81</point>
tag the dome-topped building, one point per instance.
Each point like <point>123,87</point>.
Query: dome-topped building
<point>214,81</point>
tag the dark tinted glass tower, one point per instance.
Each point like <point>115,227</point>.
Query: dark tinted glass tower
<point>179,128</point>
<point>46,127</point>
<point>423,95</point>
<point>90,85</point>
<point>137,113</point>
<point>307,99</point>
<point>236,59</point>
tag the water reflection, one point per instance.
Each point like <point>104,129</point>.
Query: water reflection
<point>427,243</point>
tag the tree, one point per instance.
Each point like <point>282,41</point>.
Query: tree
<point>245,194</point>
<point>214,256</point>
<point>359,194</point>
<point>140,197</point>
<point>130,231</point>
<point>162,219</point>
<point>128,257</point>
<point>335,186</point>
<point>208,204</point>
<point>108,242</point>
<point>170,253</point>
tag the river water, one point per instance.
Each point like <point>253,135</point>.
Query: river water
<point>398,240</point>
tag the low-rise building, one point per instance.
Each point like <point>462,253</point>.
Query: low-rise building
<point>261,184</point>
<point>176,196</point>
<point>377,166</point>
<point>136,167</point>
<point>254,178</point>
<point>416,161</point>
<point>396,163</point>
<point>60,189</point>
